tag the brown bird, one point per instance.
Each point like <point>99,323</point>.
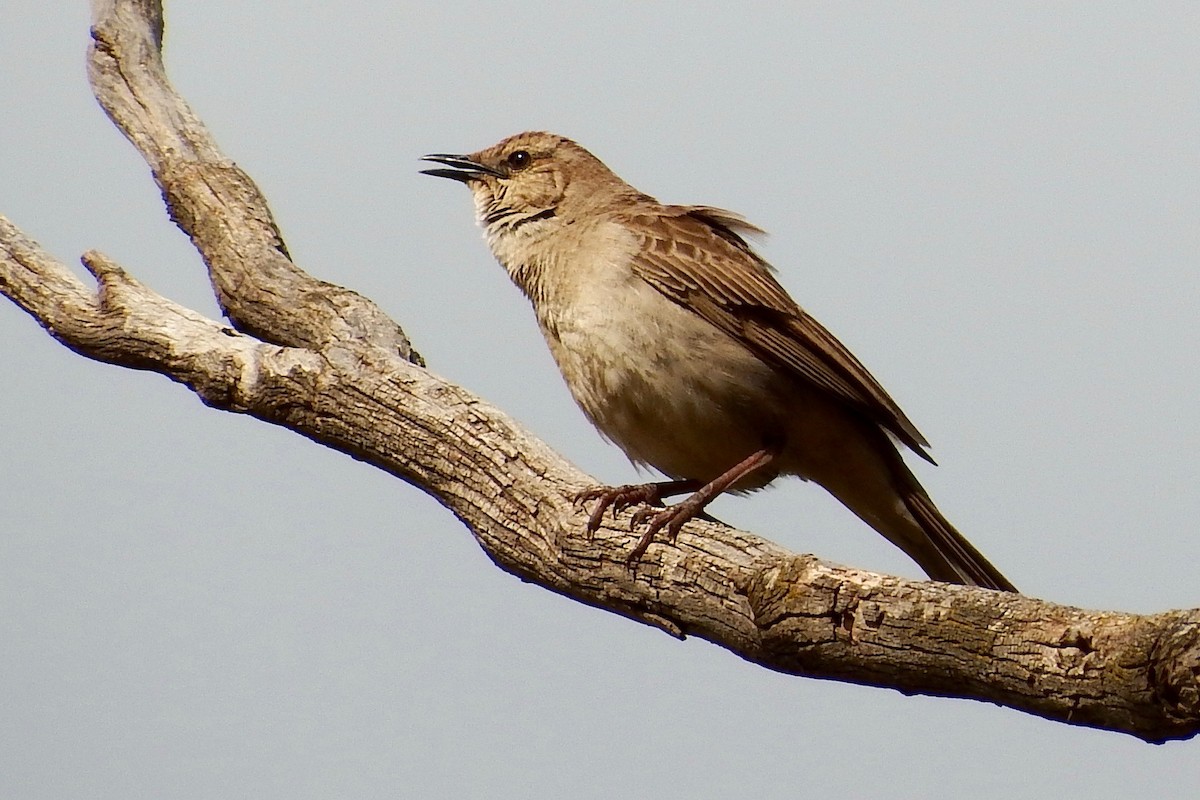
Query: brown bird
<point>681,347</point>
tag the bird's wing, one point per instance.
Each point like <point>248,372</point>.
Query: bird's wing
<point>696,256</point>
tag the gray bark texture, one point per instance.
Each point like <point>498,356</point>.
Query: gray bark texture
<point>329,364</point>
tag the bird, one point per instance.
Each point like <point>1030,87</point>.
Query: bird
<point>679,344</point>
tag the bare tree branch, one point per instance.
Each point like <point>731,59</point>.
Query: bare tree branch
<point>328,364</point>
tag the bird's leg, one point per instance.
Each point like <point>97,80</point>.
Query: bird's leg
<point>674,517</point>
<point>619,498</point>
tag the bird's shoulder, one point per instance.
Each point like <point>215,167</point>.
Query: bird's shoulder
<point>702,251</point>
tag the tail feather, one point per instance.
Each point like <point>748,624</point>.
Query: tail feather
<point>870,477</point>
<point>949,556</point>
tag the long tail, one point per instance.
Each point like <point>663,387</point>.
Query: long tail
<point>946,555</point>
<point>872,480</point>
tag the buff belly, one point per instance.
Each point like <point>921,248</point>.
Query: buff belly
<point>667,387</point>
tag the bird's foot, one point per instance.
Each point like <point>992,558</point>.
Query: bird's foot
<point>654,516</point>
<point>619,498</point>
<point>672,518</point>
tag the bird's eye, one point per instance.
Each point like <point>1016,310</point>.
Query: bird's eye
<point>518,159</point>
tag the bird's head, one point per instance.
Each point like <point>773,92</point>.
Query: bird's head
<point>531,179</point>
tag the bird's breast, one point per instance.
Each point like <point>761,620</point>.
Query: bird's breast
<point>662,383</point>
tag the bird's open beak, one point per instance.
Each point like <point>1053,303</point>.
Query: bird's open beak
<point>464,168</point>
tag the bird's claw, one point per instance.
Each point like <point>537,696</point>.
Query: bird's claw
<point>672,518</point>
<point>616,498</point>
<point>652,515</point>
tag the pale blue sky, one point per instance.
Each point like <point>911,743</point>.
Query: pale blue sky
<point>995,206</point>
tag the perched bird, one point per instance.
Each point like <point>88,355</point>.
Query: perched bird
<point>681,347</point>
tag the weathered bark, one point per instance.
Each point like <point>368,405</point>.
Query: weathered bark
<point>328,364</point>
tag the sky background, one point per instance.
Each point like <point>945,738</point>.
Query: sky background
<point>995,206</point>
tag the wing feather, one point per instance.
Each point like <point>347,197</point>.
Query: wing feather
<point>696,256</point>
